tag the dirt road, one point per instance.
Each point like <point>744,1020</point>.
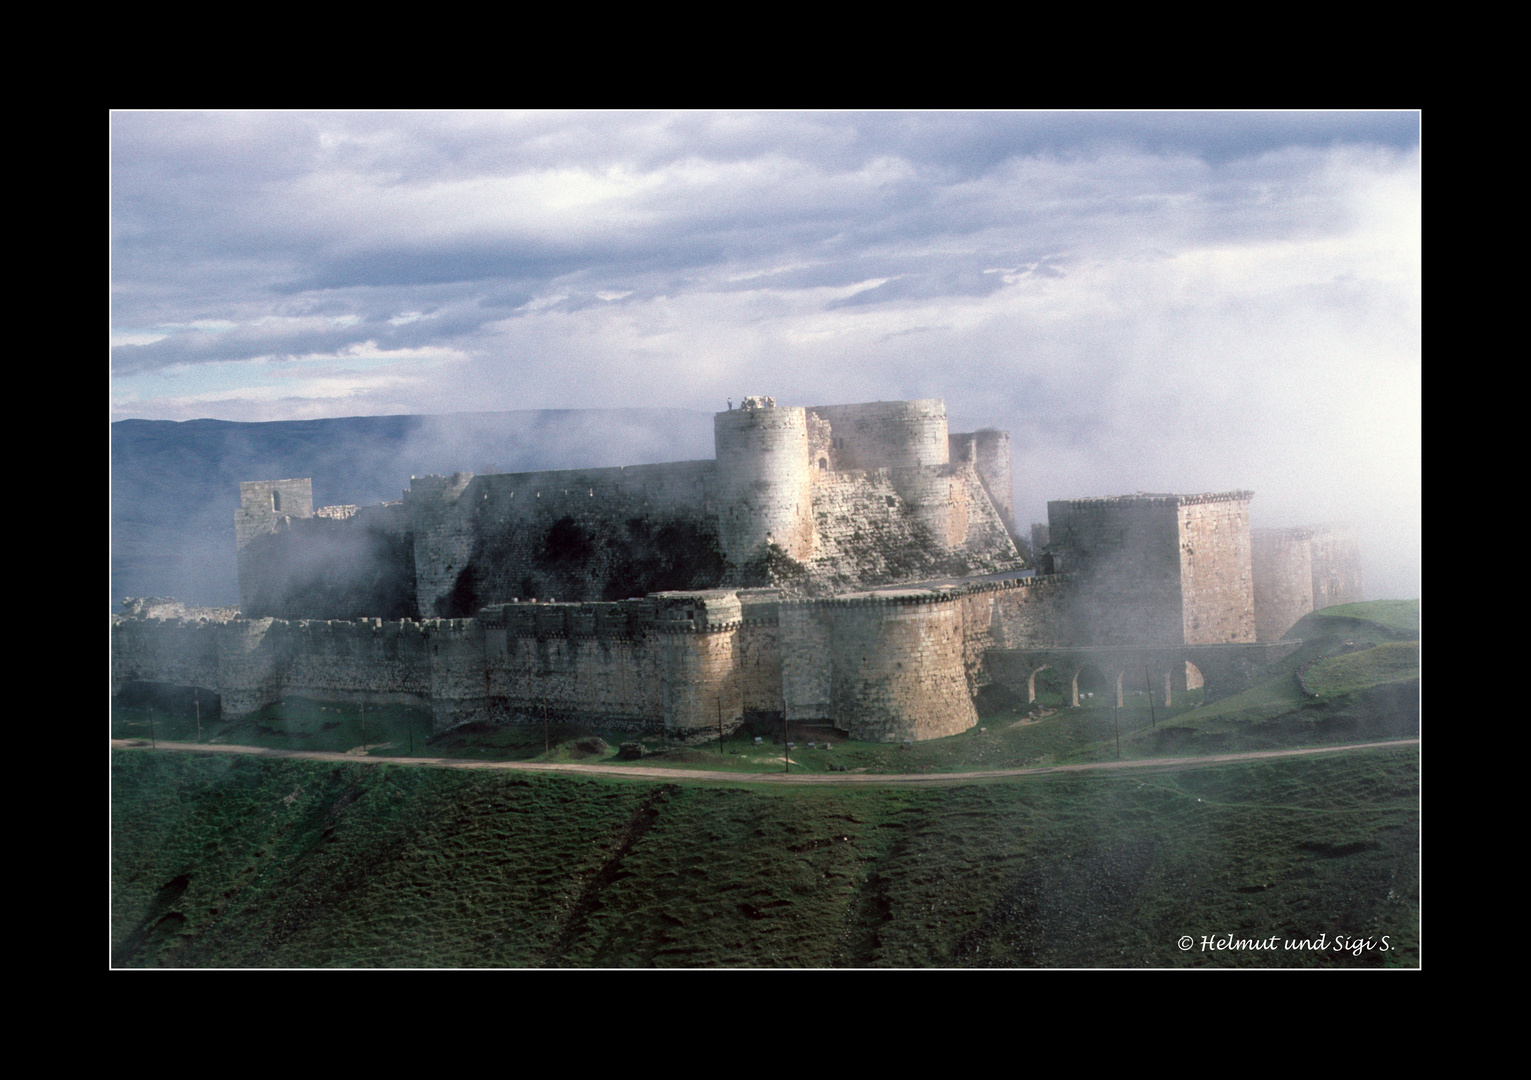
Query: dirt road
<point>640,772</point>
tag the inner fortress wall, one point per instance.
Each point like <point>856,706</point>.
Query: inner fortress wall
<point>339,563</point>
<point>582,534</point>
<point>263,505</point>
<point>887,434</point>
<point>860,495</point>
<point>989,452</point>
<point>880,526</point>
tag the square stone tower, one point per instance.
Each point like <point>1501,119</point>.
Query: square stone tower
<point>263,505</point>
<point>1157,569</point>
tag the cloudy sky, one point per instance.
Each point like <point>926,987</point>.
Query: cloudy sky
<point>1146,301</point>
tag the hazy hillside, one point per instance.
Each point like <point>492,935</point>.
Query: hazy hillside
<point>236,862</point>
<point>175,485</point>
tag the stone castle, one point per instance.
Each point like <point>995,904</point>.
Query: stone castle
<point>855,565</point>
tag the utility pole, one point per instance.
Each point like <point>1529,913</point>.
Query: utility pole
<point>1118,725</point>
<point>364,727</point>
<point>1151,719</point>
<point>196,697</point>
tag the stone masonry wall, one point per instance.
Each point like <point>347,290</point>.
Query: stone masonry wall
<point>263,505</point>
<point>1020,614</point>
<point>896,668</point>
<point>252,663</point>
<point>329,566</point>
<point>588,534</point>
<point>1282,563</point>
<point>1216,579</point>
<point>175,651</point>
<point>882,667</point>
<point>870,533</point>
<point>764,481</point>
<point>989,452</point>
<point>805,662</point>
<point>1336,566</point>
<point>1124,556</point>
<point>887,434</point>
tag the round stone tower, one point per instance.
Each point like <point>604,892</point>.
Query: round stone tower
<point>764,480</point>
<point>888,434</point>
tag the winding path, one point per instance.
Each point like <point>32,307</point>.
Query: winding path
<point>674,774</point>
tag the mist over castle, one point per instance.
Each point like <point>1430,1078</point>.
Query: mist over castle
<point>855,564</point>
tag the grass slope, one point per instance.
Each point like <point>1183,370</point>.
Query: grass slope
<point>250,862</point>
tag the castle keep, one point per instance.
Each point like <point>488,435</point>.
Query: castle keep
<point>854,564</point>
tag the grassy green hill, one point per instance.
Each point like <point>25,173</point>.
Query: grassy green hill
<point>244,861</point>
<point>239,861</point>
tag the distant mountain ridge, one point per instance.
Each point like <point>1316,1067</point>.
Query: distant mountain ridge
<point>175,484</point>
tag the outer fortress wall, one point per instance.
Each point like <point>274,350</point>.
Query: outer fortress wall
<point>175,651</point>
<point>882,667</point>
<point>1023,613</point>
<point>252,663</point>
<point>896,668</point>
<point>894,665</point>
<point>764,481</point>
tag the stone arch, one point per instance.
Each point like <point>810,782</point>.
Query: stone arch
<point>1031,682</point>
<point>1118,683</point>
<point>1088,677</point>
<point>1186,676</point>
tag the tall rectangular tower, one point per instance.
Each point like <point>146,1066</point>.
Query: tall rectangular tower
<point>262,505</point>
<point>1155,569</point>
